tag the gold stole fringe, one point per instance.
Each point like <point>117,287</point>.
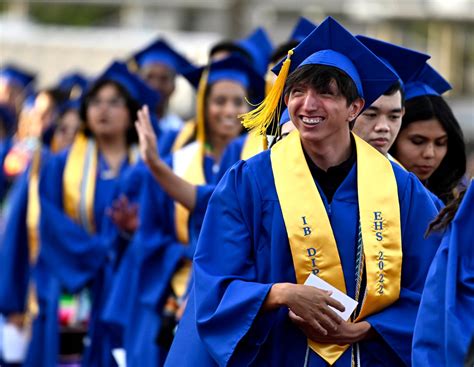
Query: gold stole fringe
<point>188,164</point>
<point>312,242</point>
<point>79,180</point>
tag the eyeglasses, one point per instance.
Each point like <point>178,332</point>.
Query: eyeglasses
<point>113,102</point>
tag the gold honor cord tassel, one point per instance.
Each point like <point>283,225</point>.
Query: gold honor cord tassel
<point>268,111</point>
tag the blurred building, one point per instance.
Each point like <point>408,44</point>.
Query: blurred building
<point>59,35</point>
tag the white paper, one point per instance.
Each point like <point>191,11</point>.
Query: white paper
<point>15,343</point>
<point>120,357</point>
<point>348,302</point>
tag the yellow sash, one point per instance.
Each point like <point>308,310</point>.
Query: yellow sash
<point>188,164</point>
<point>33,209</point>
<point>254,144</point>
<point>313,246</point>
<point>79,180</point>
<point>184,136</point>
<point>32,225</point>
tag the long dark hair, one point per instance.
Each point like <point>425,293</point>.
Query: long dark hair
<point>132,106</point>
<point>446,215</point>
<point>453,166</point>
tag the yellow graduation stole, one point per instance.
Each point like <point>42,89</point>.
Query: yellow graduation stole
<point>184,136</point>
<point>313,246</point>
<point>254,144</point>
<point>32,226</point>
<point>33,208</point>
<point>79,180</point>
<point>188,164</point>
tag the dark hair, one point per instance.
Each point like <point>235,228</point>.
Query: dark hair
<point>394,88</point>
<point>232,48</point>
<point>453,166</point>
<point>320,77</point>
<point>132,106</point>
<point>446,215</point>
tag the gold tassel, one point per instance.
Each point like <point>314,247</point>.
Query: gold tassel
<point>200,108</point>
<point>267,111</point>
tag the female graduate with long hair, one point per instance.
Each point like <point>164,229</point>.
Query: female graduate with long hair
<point>445,323</point>
<point>430,142</point>
<point>75,257</point>
<point>161,241</point>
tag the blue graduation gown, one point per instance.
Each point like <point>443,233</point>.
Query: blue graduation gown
<point>141,285</point>
<point>71,259</point>
<point>243,250</point>
<point>232,155</point>
<point>445,323</point>
<point>15,268</point>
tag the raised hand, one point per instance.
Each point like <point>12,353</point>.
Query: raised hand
<point>124,214</point>
<point>147,137</point>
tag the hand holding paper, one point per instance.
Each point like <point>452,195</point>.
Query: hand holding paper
<point>348,302</point>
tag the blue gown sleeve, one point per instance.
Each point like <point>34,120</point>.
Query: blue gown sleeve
<point>417,211</point>
<point>14,261</point>
<point>445,321</point>
<point>231,155</point>
<point>69,251</point>
<point>226,289</point>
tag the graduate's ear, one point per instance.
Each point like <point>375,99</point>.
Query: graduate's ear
<point>286,98</point>
<point>355,108</point>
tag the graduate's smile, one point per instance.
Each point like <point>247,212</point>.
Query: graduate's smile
<point>311,121</point>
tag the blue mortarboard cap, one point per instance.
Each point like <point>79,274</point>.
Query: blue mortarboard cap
<point>302,29</point>
<point>332,45</point>
<point>137,89</point>
<point>404,62</point>
<point>260,47</point>
<point>7,118</point>
<point>17,75</point>
<point>427,82</point>
<point>232,68</point>
<point>285,117</point>
<point>73,83</point>
<point>161,52</point>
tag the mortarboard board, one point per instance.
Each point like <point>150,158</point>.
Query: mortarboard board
<point>161,52</point>
<point>332,45</point>
<point>302,29</point>
<point>17,75</point>
<point>427,82</point>
<point>232,68</point>
<point>138,90</point>
<point>260,47</point>
<point>404,62</point>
